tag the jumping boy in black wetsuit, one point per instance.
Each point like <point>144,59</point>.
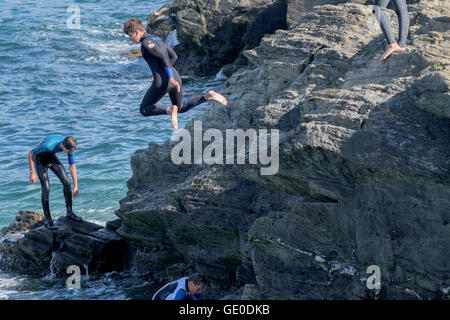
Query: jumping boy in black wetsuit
<point>166,79</point>
<point>44,157</point>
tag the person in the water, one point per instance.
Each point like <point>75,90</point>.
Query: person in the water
<point>166,79</point>
<point>188,288</point>
<point>44,157</point>
<point>402,13</point>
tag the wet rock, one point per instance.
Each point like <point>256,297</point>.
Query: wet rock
<point>114,224</point>
<point>32,249</point>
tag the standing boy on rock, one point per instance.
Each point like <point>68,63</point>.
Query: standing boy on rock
<point>44,157</point>
<point>166,79</point>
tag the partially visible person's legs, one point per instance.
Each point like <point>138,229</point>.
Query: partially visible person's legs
<point>402,13</point>
<point>58,169</point>
<point>185,106</point>
<point>403,21</point>
<point>380,14</point>
<point>217,97</point>
<point>41,169</point>
<point>42,166</point>
<point>180,106</point>
<point>152,96</point>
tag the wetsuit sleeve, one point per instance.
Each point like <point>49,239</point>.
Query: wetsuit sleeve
<point>41,147</point>
<point>161,53</point>
<point>172,55</point>
<point>181,294</point>
<point>71,158</point>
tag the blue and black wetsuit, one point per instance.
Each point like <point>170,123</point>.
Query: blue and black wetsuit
<point>181,291</point>
<point>45,158</point>
<point>161,58</point>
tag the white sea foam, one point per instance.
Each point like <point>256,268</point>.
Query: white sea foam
<point>172,39</point>
<point>220,76</point>
<point>445,290</point>
<point>9,285</point>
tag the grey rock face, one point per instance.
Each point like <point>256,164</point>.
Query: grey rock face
<point>212,34</point>
<point>28,247</point>
<point>364,169</point>
<point>297,8</point>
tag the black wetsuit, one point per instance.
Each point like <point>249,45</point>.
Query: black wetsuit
<point>161,58</point>
<point>45,158</point>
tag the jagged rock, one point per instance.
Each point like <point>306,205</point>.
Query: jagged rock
<point>114,224</point>
<point>355,135</point>
<point>211,34</point>
<point>296,9</point>
<point>364,167</point>
<point>25,220</point>
<point>32,249</point>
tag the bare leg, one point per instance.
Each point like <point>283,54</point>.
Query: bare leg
<point>217,97</point>
<point>173,112</point>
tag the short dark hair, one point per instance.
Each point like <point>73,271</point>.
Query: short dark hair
<point>70,143</point>
<point>132,25</point>
<point>197,279</point>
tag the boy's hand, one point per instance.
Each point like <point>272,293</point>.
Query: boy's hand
<point>75,192</point>
<point>33,177</point>
<point>176,84</point>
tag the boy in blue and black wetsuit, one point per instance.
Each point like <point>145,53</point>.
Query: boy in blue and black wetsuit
<point>166,79</point>
<point>189,288</point>
<point>44,157</point>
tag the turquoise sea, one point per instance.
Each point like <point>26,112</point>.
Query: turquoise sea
<point>58,77</point>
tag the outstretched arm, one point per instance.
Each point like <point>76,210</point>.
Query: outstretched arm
<point>73,172</point>
<point>33,177</point>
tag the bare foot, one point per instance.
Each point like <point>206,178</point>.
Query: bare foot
<point>400,49</point>
<point>174,113</point>
<point>390,50</point>
<point>393,47</point>
<point>217,97</point>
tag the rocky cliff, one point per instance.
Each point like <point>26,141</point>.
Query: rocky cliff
<point>363,178</point>
<point>27,247</point>
<point>363,175</point>
<point>208,35</point>
<point>212,35</point>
